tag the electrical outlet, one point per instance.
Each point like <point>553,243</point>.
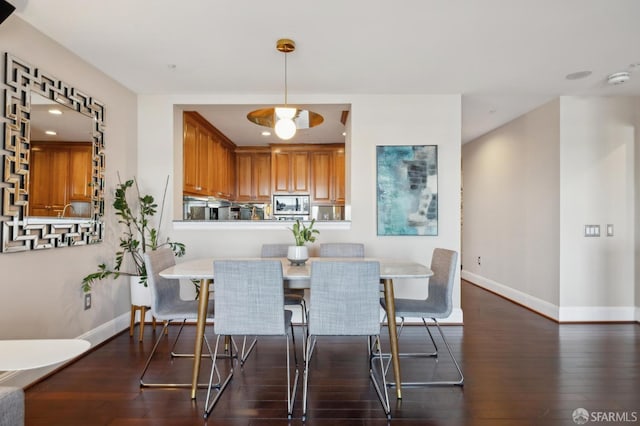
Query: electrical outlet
<point>479,260</point>
<point>87,301</point>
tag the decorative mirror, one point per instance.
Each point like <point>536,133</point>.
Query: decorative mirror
<point>52,190</point>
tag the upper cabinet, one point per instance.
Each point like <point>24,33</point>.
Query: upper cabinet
<point>208,159</point>
<point>327,174</point>
<point>290,169</point>
<point>215,167</point>
<point>253,174</point>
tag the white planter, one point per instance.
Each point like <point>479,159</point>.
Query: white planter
<point>297,255</point>
<point>140,295</point>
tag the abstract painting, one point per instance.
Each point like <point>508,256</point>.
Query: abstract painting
<point>407,189</point>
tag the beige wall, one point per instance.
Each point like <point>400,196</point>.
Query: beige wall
<point>529,189</point>
<point>511,204</point>
<point>40,294</point>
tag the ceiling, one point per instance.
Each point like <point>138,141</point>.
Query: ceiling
<point>505,57</point>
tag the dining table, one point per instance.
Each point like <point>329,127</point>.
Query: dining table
<point>298,276</point>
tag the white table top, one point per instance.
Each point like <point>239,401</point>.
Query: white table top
<point>35,353</point>
<point>389,268</point>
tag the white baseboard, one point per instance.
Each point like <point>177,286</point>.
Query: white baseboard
<point>535,304</point>
<point>558,313</point>
<point>596,313</point>
<point>96,336</point>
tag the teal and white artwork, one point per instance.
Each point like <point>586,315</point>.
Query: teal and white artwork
<point>407,189</point>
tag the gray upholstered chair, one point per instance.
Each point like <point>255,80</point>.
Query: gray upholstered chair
<point>344,302</point>
<point>437,305</point>
<point>11,406</point>
<point>250,302</point>
<point>342,250</point>
<point>167,305</point>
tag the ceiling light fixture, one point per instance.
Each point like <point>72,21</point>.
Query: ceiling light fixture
<point>285,119</point>
<point>618,77</point>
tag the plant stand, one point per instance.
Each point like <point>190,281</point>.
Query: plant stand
<point>140,301</point>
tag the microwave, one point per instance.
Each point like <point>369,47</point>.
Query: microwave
<point>298,205</point>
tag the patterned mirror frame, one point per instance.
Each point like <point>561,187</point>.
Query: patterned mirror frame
<point>18,232</point>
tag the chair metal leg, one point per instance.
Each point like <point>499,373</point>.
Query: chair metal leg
<point>459,382</point>
<point>381,391</point>
<point>221,385</point>
<point>291,389</point>
<point>144,384</point>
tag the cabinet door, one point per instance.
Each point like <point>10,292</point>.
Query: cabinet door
<point>281,176</point>
<point>39,182</point>
<point>261,171</point>
<point>203,160</point>
<point>190,155</point>
<point>244,175</point>
<point>321,176</point>
<point>339,177</point>
<point>81,167</point>
<point>300,172</point>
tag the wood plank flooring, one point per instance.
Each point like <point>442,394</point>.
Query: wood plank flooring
<point>520,369</point>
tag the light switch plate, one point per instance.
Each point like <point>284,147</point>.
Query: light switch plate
<point>609,230</point>
<point>592,230</point>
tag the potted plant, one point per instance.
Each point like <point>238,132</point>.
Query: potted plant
<point>138,236</point>
<point>299,253</point>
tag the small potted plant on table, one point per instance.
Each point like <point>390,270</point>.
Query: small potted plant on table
<point>299,253</point>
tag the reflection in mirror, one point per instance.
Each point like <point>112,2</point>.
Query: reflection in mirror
<point>52,192</point>
<point>60,163</point>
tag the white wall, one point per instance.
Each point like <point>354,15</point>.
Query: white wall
<point>511,209</point>
<point>409,120</point>
<point>597,187</point>
<point>40,294</point>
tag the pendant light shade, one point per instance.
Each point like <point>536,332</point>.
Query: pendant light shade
<point>285,119</point>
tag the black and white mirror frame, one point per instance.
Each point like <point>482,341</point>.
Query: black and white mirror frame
<point>18,232</point>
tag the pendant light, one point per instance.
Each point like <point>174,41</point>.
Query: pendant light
<point>285,119</point>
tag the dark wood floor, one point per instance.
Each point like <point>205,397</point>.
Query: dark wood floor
<point>520,369</point>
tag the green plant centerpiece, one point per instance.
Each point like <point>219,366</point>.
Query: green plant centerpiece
<point>138,235</point>
<point>302,234</point>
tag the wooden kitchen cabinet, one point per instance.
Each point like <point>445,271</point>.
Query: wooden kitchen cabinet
<point>60,172</point>
<point>253,174</point>
<point>327,175</point>
<point>208,159</point>
<point>290,169</point>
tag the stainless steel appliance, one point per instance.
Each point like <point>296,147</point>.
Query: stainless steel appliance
<point>291,207</point>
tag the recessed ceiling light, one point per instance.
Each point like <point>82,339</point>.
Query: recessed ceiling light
<point>55,111</point>
<point>50,133</point>
<point>344,133</point>
<point>578,75</point>
<point>266,133</point>
<point>171,66</point>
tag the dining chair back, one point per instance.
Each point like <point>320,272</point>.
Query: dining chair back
<point>437,305</point>
<point>344,302</point>
<point>341,250</point>
<point>166,305</point>
<point>249,301</point>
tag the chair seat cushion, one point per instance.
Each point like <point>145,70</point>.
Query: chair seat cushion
<point>181,309</point>
<point>417,308</point>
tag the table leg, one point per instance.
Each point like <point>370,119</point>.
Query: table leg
<point>200,327</point>
<point>393,333</point>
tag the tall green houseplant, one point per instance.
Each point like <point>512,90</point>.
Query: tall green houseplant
<point>138,235</point>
